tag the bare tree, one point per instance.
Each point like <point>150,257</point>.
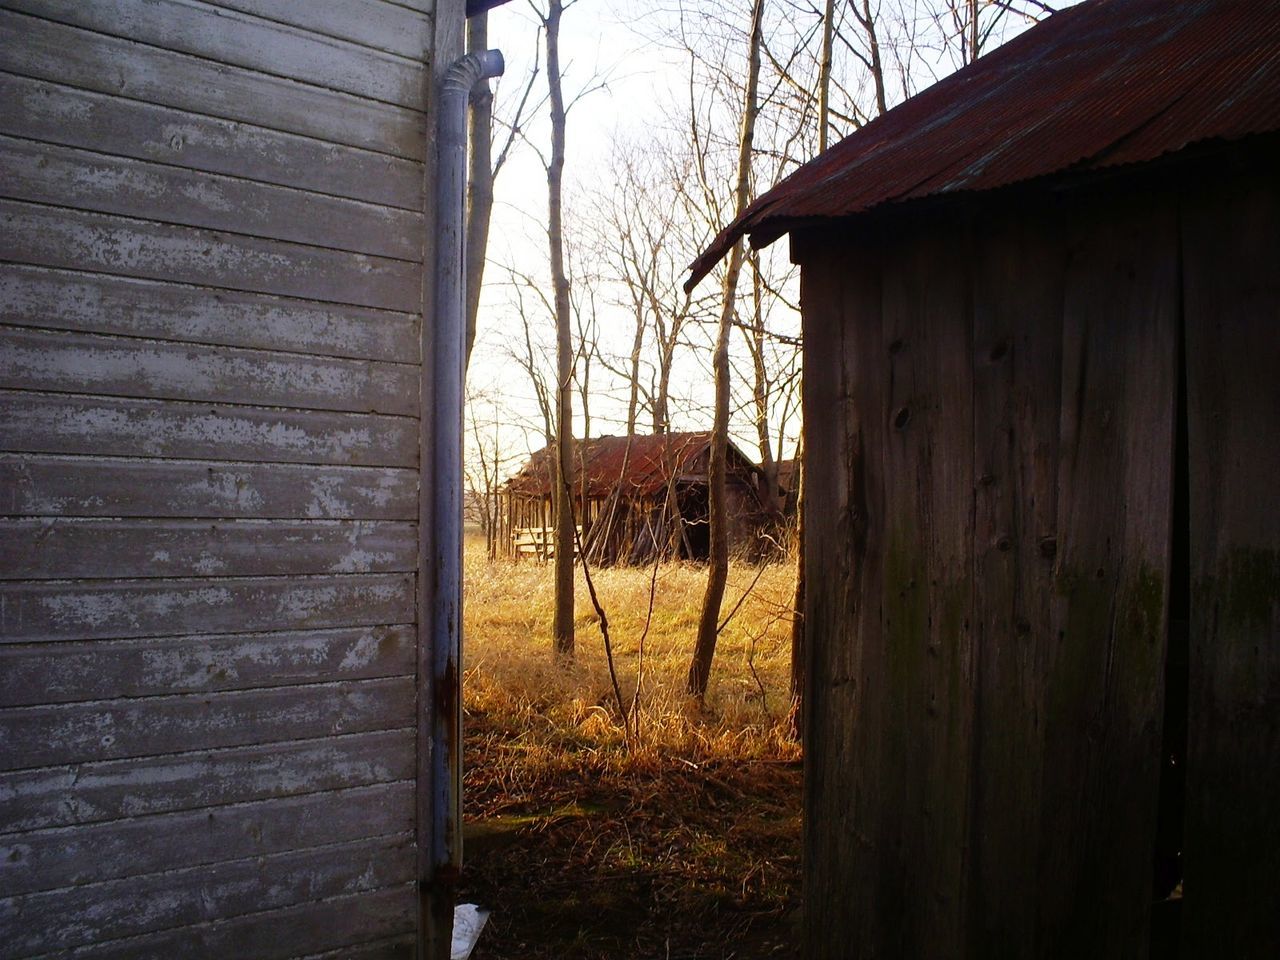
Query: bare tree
<point>479,180</point>
<point>824,74</point>
<point>528,353</point>
<point>484,169</point>
<point>717,574</point>
<point>487,460</point>
<point>872,60</point>
<point>584,286</point>
<point>562,628</point>
<point>647,240</point>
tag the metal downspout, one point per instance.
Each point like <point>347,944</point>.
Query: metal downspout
<point>448,373</point>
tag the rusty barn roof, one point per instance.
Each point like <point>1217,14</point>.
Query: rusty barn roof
<point>1104,83</point>
<point>651,463</point>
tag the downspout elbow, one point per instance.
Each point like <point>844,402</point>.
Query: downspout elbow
<point>469,70</point>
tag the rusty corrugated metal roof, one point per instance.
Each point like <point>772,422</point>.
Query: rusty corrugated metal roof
<point>652,461</point>
<point>1104,83</point>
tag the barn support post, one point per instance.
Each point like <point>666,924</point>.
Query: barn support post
<point>440,693</point>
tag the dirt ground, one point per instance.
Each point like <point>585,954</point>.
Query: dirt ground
<point>679,862</point>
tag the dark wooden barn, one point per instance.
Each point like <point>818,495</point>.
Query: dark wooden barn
<point>1042,423</point>
<point>634,495</point>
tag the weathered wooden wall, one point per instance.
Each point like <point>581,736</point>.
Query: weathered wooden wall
<point>991,512</point>
<point>1231,249</point>
<point>212,225</point>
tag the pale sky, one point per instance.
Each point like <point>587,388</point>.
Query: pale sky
<point>604,45</point>
<point>602,48</point>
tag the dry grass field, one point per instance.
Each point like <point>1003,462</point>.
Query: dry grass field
<point>673,835</point>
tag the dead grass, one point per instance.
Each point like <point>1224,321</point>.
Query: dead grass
<point>681,842</point>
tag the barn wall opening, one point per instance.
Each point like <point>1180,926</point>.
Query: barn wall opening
<point>695,514</point>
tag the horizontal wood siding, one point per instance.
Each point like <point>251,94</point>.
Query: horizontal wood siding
<point>74,917</point>
<point>308,928</point>
<point>73,117</point>
<point>400,948</point>
<point>212,234</point>
<point>124,246</point>
<point>116,65</point>
<point>44,360</point>
<point>67,423</point>
<point>199,663</point>
<point>129,307</point>
<point>83,548</point>
<point>381,24</point>
<point>107,730</point>
<point>227,37</point>
<point>43,173</point>
<point>97,486</point>
<point>71,856</point>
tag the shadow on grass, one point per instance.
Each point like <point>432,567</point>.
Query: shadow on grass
<point>634,857</point>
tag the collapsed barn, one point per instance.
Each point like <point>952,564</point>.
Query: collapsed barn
<point>636,495</point>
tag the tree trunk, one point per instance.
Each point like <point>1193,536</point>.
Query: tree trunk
<point>797,603</point>
<point>768,485</point>
<point>873,47</point>
<point>480,179</point>
<point>661,412</point>
<point>824,75</point>
<point>633,398</point>
<point>718,572</point>
<point>973,31</point>
<point>797,473</point>
<point>562,627</point>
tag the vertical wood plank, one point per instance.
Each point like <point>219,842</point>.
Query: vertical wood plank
<point>1017,342</point>
<point>987,785</point>
<point>840,295</point>
<point>890,441</point>
<point>1104,695</point>
<point>927,590</point>
<point>1231,247</point>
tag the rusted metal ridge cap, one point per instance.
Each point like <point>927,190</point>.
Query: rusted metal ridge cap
<point>1104,83</point>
